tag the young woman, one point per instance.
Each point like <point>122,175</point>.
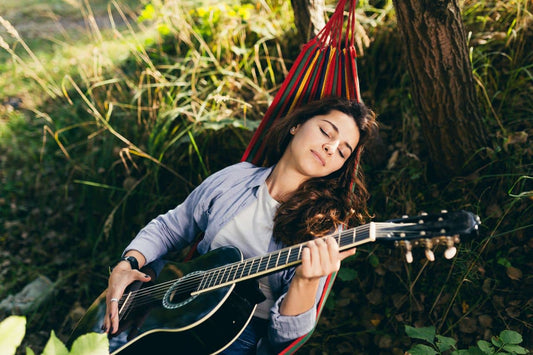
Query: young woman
<point>303,191</point>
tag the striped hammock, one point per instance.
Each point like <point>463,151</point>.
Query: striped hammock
<point>326,66</point>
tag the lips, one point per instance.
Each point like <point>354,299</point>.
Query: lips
<point>319,158</point>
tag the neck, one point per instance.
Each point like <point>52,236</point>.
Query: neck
<point>283,182</point>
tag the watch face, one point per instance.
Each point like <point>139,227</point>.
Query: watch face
<point>133,262</point>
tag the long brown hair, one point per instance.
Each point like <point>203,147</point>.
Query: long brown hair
<point>322,204</point>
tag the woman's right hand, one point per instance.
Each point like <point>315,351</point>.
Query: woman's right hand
<point>121,277</point>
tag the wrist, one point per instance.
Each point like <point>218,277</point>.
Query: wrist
<point>126,261</point>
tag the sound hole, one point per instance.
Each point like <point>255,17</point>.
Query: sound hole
<point>179,293</point>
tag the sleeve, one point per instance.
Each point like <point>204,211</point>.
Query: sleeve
<point>178,227</point>
<point>283,330</point>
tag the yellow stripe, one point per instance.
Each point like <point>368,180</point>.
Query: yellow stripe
<point>332,53</point>
<point>301,87</point>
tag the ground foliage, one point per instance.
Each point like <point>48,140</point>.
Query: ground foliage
<point>92,152</point>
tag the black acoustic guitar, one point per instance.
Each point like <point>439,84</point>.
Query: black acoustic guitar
<point>202,306</point>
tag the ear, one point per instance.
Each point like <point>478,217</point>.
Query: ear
<point>294,129</point>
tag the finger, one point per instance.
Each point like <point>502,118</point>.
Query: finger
<point>324,261</point>
<point>343,255</point>
<point>141,276</point>
<point>333,253</point>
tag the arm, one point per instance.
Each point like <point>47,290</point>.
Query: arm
<point>294,314</point>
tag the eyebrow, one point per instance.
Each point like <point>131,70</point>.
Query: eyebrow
<point>336,129</point>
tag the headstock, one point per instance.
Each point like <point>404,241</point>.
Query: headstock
<point>429,231</point>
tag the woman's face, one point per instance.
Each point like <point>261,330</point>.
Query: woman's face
<point>322,144</point>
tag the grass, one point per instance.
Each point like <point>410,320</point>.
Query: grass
<point>118,122</point>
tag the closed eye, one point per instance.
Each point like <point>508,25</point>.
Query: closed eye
<point>324,132</point>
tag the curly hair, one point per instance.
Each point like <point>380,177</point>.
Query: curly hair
<point>322,204</point>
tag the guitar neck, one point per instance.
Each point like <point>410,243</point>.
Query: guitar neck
<point>279,260</point>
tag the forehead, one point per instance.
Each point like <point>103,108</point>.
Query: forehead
<point>347,128</point>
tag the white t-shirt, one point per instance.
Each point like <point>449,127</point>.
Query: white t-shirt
<point>253,227</point>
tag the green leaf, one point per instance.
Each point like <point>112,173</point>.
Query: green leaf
<point>12,330</point>
<point>91,344</point>
<point>54,346</point>
<point>497,342</point>
<point>515,349</point>
<point>29,351</point>
<point>425,333</point>
<point>510,337</point>
<point>347,274</point>
<point>445,343</point>
<point>485,346</point>
<point>421,349</point>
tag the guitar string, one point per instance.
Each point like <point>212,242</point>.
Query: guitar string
<point>152,293</point>
<point>191,283</point>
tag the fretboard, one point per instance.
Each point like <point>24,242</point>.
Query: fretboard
<point>278,260</point>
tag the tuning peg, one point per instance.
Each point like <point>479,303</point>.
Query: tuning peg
<point>429,253</point>
<point>408,253</point>
<point>451,250</point>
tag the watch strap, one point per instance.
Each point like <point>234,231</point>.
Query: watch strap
<point>132,260</point>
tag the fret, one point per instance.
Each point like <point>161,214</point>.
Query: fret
<point>241,267</point>
<point>248,266</point>
<point>211,279</point>
<point>268,267</point>
<point>216,280</point>
<point>201,285</point>
<point>256,266</point>
<point>277,259</point>
<point>293,255</point>
<point>227,273</point>
<point>263,264</point>
<point>283,256</point>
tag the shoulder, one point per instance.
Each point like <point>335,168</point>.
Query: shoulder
<point>240,171</point>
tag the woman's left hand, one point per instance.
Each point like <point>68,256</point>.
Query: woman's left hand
<point>321,257</point>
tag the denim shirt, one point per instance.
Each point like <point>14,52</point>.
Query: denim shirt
<point>217,200</point>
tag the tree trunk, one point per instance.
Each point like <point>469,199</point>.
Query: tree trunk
<point>442,86</point>
<point>308,17</point>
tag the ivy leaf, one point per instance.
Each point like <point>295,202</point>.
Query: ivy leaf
<point>485,347</point>
<point>54,346</point>
<point>12,330</point>
<point>445,343</point>
<point>510,337</point>
<point>347,274</point>
<point>515,349</point>
<point>91,344</point>
<point>425,333</point>
<point>421,349</point>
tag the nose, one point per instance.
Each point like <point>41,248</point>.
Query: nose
<point>330,147</point>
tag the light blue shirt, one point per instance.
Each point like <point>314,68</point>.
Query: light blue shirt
<point>207,209</point>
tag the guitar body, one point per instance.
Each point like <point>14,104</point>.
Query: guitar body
<point>202,324</point>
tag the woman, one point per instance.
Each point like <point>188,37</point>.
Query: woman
<point>303,191</point>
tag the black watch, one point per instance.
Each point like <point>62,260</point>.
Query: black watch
<point>132,260</point>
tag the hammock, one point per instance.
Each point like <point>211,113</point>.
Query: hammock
<point>326,66</point>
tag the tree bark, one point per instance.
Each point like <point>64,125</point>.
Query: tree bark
<point>442,86</point>
<point>308,17</point>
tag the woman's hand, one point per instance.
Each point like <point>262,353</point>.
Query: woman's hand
<point>121,277</point>
<point>321,257</point>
